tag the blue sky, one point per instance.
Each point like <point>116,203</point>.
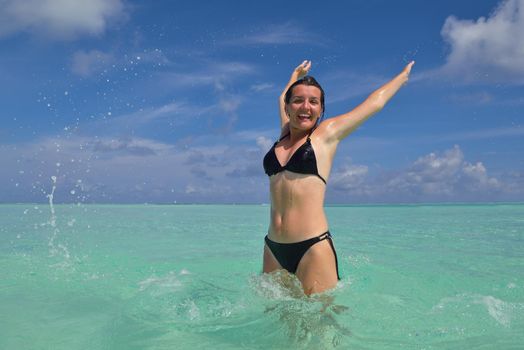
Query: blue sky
<point>176,101</point>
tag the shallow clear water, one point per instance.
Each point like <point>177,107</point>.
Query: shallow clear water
<point>187,276</point>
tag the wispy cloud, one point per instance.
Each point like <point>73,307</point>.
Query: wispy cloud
<point>280,34</point>
<point>262,87</point>
<point>482,134</point>
<point>206,73</point>
<point>170,115</point>
<point>217,78</point>
<point>472,98</point>
<point>452,136</point>
<point>59,19</point>
<point>345,85</point>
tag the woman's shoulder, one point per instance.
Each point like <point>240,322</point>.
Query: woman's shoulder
<point>322,129</point>
<point>325,132</point>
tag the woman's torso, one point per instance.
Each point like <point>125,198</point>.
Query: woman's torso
<point>297,199</point>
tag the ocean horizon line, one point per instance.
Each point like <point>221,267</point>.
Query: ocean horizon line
<point>458,203</point>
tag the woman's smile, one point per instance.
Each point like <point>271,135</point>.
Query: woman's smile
<point>305,106</point>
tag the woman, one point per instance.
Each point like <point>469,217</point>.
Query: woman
<point>298,165</point>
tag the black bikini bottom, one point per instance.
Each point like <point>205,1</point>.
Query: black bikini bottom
<point>289,254</point>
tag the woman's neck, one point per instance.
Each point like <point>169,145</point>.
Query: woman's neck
<point>296,134</point>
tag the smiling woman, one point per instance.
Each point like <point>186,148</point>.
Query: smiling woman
<point>298,165</point>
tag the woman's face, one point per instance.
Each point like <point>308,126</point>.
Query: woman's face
<point>304,107</point>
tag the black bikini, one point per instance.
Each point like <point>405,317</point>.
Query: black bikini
<point>303,161</point>
<point>289,255</point>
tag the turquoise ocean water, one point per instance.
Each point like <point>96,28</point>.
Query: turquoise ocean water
<point>187,277</point>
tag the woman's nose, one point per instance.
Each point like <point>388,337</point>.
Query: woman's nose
<point>306,105</point>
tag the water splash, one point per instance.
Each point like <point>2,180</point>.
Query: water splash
<point>308,321</point>
<point>503,312</point>
<point>56,249</point>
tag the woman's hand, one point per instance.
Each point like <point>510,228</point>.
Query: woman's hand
<point>301,70</point>
<point>407,69</point>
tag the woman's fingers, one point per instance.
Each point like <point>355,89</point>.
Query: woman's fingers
<point>303,68</point>
<point>407,69</point>
<point>307,66</point>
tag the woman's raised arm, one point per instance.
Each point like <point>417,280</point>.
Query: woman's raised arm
<point>339,127</point>
<point>298,73</point>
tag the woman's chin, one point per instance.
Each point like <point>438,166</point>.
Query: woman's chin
<point>305,125</point>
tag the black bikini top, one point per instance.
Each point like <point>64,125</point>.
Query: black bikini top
<point>303,161</point>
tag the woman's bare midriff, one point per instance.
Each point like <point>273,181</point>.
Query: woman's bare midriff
<point>297,211</point>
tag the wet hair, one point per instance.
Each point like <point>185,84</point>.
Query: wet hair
<point>309,81</point>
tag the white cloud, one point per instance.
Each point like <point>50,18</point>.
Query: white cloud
<point>443,176</point>
<point>133,169</point>
<point>488,49</point>
<point>435,168</point>
<point>58,19</point>
<point>264,143</point>
<point>432,177</point>
<point>477,178</point>
<point>431,174</point>
<point>350,178</point>
<point>85,63</point>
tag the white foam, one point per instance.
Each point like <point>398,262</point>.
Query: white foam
<point>501,311</point>
<point>359,260</point>
<point>498,309</point>
<point>193,312</point>
<point>160,285</point>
